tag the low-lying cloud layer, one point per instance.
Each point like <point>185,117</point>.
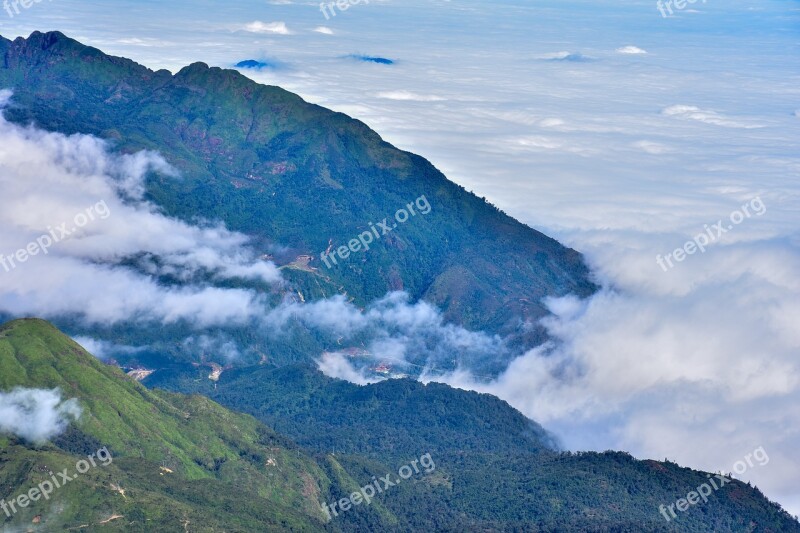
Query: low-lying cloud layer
<point>623,158</point>
<point>705,353</point>
<point>412,337</point>
<point>36,415</point>
<point>105,350</point>
<point>111,256</point>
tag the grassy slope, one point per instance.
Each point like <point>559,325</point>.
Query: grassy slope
<point>215,454</point>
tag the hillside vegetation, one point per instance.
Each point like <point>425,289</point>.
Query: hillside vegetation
<point>298,175</point>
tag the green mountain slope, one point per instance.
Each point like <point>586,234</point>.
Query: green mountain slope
<point>177,457</point>
<point>289,172</point>
<point>183,463</point>
<point>378,419</point>
<point>496,470</point>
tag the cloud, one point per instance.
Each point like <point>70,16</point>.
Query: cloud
<point>543,143</point>
<point>278,28</point>
<point>146,42</point>
<point>630,50</point>
<point>705,353</point>
<point>409,96</point>
<point>209,348</point>
<point>112,256</point>
<point>652,147</point>
<point>552,123</point>
<point>104,350</point>
<point>36,415</point>
<point>411,337</point>
<point>688,112</point>
<point>337,366</point>
<point>324,30</point>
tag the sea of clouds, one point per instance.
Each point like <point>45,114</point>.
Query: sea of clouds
<point>618,131</point>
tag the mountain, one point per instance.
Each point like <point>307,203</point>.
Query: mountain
<point>300,401</point>
<point>499,470</point>
<point>297,179</point>
<point>182,461</point>
<point>301,177</point>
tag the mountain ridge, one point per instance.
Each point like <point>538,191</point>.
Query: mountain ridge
<point>195,462</point>
<point>261,159</point>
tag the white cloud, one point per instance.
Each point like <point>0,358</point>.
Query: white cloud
<point>409,96</point>
<point>652,147</point>
<point>49,180</point>
<point>551,123</point>
<point>392,329</point>
<point>148,42</point>
<point>631,50</point>
<point>689,112</point>
<point>278,28</point>
<point>36,415</point>
<point>206,347</point>
<point>324,30</point>
<point>104,349</point>
<point>337,366</point>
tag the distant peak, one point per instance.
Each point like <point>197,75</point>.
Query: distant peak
<point>196,66</point>
<point>45,40</point>
<point>252,64</point>
<point>372,59</point>
<point>53,34</point>
<point>50,36</point>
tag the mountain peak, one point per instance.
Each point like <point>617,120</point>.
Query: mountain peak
<point>52,35</point>
<point>197,66</point>
<point>32,328</point>
<point>46,40</point>
<point>27,322</point>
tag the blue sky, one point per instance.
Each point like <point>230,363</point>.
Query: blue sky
<point>619,131</point>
